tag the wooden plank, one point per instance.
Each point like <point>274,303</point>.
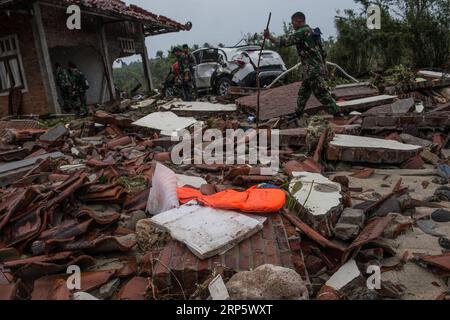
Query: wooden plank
<point>27,162</point>
<point>366,103</point>
<point>433,74</point>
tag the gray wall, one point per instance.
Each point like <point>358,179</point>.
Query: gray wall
<point>89,62</point>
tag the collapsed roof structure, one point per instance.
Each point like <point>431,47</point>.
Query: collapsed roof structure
<point>34,37</point>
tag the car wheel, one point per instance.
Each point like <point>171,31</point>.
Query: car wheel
<point>223,85</point>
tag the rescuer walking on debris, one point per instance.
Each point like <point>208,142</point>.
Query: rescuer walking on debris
<point>79,87</point>
<point>189,62</point>
<point>63,83</point>
<point>313,64</point>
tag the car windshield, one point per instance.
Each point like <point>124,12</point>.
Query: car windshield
<point>210,55</point>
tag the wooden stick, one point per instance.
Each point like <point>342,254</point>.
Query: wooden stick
<point>258,82</point>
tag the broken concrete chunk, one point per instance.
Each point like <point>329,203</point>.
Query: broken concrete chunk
<point>218,289</point>
<point>321,198</point>
<point>407,138</point>
<point>267,282</point>
<point>317,193</point>
<point>166,122</point>
<point>353,216</point>
<point>430,157</point>
<point>403,105</point>
<point>371,150</point>
<point>344,276</point>
<point>190,181</point>
<point>198,108</point>
<point>108,290</point>
<point>433,74</point>
<point>83,296</point>
<point>345,231</point>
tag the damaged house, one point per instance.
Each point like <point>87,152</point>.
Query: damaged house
<point>34,36</point>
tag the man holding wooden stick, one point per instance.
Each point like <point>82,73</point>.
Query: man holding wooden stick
<point>313,64</point>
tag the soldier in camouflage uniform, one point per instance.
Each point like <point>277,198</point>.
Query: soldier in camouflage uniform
<point>189,63</point>
<point>63,82</point>
<point>79,87</point>
<point>313,65</point>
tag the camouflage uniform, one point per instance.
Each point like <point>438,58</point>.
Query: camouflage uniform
<point>187,62</point>
<point>313,69</point>
<point>63,82</point>
<point>79,87</point>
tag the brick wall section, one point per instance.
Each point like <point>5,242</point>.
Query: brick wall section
<point>34,101</point>
<point>276,244</point>
<point>57,34</point>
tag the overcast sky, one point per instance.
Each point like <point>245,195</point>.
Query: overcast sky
<point>225,21</point>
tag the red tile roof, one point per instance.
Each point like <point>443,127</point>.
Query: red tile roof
<point>133,11</point>
<point>154,23</point>
<point>118,7</point>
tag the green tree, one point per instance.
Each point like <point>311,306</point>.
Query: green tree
<point>413,33</point>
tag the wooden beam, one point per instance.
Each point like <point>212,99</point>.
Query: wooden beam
<point>145,62</point>
<point>44,60</point>
<point>107,64</point>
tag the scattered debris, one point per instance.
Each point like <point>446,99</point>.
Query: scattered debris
<point>102,193</point>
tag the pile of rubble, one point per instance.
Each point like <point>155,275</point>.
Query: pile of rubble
<point>366,215</point>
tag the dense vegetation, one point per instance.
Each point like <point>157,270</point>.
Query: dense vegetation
<point>414,33</point>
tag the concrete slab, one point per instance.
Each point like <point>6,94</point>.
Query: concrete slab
<point>341,140</point>
<point>433,74</point>
<point>318,194</point>
<point>198,108</point>
<point>28,162</point>
<point>196,182</point>
<point>371,150</point>
<point>207,231</point>
<point>346,274</point>
<point>166,122</point>
<point>366,103</point>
